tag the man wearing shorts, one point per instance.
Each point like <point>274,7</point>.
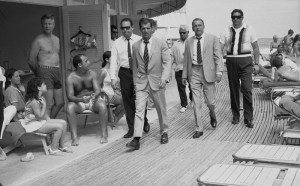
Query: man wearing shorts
<point>83,92</point>
<point>44,62</point>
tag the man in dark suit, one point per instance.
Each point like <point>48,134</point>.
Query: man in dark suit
<point>151,71</point>
<point>202,66</point>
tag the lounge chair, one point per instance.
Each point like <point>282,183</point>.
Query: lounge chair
<point>275,155</point>
<point>223,174</point>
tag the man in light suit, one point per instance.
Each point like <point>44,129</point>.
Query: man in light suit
<point>202,67</point>
<point>151,71</point>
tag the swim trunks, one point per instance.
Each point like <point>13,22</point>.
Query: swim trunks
<point>50,75</point>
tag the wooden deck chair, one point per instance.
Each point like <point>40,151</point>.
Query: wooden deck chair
<point>293,129</point>
<point>223,174</point>
<point>276,155</point>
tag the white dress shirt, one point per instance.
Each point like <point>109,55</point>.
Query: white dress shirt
<point>119,54</point>
<point>195,48</point>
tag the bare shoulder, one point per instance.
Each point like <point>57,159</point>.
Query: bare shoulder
<point>71,77</point>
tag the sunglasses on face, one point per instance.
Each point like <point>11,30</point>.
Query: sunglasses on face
<point>236,17</point>
<point>125,27</point>
<point>182,32</point>
<point>114,32</point>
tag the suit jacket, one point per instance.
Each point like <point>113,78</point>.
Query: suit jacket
<point>159,65</point>
<point>211,58</point>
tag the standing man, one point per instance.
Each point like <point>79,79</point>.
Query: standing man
<point>287,41</point>
<point>44,62</point>
<point>113,35</point>
<point>238,39</point>
<point>121,58</point>
<point>202,67</point>
<point>177,52</point>
<point>151,70</point>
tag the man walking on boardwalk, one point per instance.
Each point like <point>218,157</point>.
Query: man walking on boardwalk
<point>202,67</point>
<point>121,59</point>
<point>238,40</point>
<point>151,71</point>
<point>177,52</point>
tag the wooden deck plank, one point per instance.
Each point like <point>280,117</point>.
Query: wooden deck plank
<point>289,177</point>
<point>235,174</point>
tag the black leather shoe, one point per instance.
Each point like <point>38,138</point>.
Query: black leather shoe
<point>134,144</point>
<point>213,123</point>
<point>197,134</point>
<point>164,138</point>
<point>146,127</point>
<point>235,121</point>
<point>129,134</point>
<point>249,124</point>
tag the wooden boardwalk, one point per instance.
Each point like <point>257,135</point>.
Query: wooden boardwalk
<point>180,161</point>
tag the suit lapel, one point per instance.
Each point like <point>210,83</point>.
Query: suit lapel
<point>204,44</point>
<point>153,45</point>
<point>140,49</point>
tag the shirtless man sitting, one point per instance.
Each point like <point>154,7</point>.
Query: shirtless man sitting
<point>83,92</point>
<point>44,62</point>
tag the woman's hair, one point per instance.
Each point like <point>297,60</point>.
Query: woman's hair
<point>32,88</point>
<point>277,62</point>
<point>296,38</point>
<point>106,55</point>
<point>9,73</point>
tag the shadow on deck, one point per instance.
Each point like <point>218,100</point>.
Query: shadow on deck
<point>180,161</point>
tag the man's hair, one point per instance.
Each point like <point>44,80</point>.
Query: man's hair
<point>76,60</point>
<point>126,19</point>
<point>185,27</point>
<point>113,27</point>
<point>47,16</point>
<point>290,31</point>
<point>105,55</point>
<point>237,10</point>
<point>277,61</point>
<point>197,19</point>
<point>144,21</point>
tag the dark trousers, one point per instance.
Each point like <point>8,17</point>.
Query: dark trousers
<point>181,89</point>
<point>128,96</point>
<point>240,69</point>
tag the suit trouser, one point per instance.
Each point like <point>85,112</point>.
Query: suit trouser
<point>128,96</point>
<point>181,89</point>
<point>240,68</point>
<point>160,104</point>
<point>198,83</point>
<point>292,106</point>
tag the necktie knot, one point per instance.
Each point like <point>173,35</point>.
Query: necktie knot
<point>146,42</point>
<point>198,38</point>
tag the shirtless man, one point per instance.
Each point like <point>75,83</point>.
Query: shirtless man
<point>44,62</point>
<point>274,44</point>
<point>82,91</point>
<point>288,41</point>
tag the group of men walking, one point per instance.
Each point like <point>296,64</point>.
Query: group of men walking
<point>144,66</point>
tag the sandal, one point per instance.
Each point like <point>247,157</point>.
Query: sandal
<point>54,152</point>
<point>65,149</point>
<point>29,157</point>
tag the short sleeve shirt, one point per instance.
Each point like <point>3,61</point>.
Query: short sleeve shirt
<point>13,95</point>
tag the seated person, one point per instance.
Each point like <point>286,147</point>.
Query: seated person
<point>282,65</point>
<point>14,92</point>
<point>285,71</point>
<point>291,104</point>
<point>36,118</point>
<point>83,92</point>
<point>105,81</point>
<point>274,44</point>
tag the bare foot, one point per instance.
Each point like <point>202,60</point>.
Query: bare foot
<point>75,142</point>
<point>103,140</point>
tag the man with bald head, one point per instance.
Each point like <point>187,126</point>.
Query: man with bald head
<point>202,67</point>
<point>177,52</point>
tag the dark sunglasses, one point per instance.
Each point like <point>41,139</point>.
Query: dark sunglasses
<point>236,17</point>
<point>125,27</point>
<point>114,32</point>
<point>183,32</point>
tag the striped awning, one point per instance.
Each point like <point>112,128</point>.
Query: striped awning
<point>154,8</point>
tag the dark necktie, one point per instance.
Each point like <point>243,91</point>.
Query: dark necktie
<point>199,57</point>
<point>146,55</point>
<point>129,54</point>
